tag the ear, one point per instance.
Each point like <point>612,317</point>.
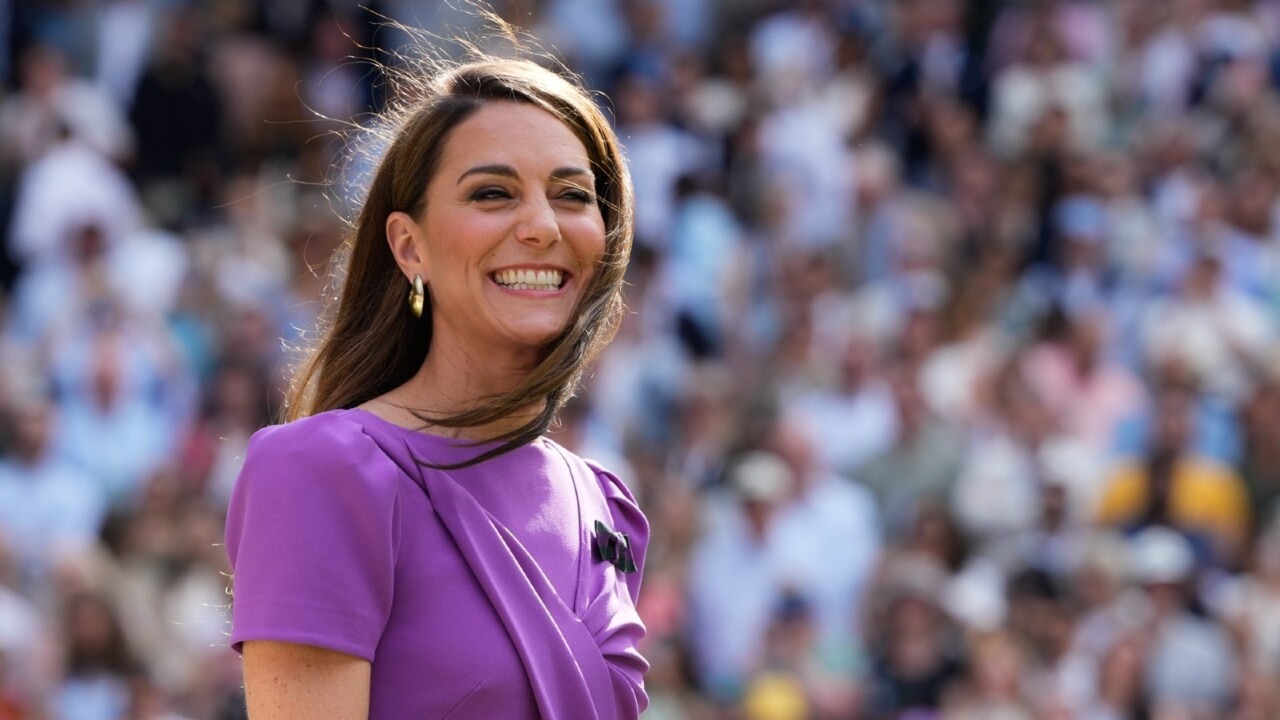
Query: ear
<point>407,246</point>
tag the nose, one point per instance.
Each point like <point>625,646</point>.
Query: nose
<point>538,226</point>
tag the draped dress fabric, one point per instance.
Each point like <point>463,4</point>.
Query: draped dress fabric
<point>474,593</point>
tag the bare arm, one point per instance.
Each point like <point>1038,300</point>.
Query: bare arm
<point>288,681</point>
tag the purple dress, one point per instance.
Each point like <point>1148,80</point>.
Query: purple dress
<point>474,593</point>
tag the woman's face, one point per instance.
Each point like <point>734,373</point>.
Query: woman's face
<point>511,232</point>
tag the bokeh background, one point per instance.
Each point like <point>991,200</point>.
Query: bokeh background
<point>950,383</point>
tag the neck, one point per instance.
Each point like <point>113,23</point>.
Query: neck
<point>454,379</point>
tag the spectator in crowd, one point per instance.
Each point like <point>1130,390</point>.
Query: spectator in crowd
<point>921,468</point>
<point>1188,662</point>
<point>991,688</point>
<point>99,663</point>
<point>737,572</point>
<point>1248,605</point>
<point>915,645</point>
<point>1173,486</point>
<point>833,528</point>
<point>48,506</point>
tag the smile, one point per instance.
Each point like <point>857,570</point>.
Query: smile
<point>544,280</point>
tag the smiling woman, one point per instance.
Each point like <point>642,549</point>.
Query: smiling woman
<point>409,545</point>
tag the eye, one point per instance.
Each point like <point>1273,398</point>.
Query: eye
<point>490,193</point>
<point>579,195</point>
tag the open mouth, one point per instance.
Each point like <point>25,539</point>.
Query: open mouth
<point>545,280</point>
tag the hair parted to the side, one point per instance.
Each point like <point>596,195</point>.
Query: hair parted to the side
<point>369,343</point>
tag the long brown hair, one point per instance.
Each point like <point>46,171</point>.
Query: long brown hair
<point>370,343</point>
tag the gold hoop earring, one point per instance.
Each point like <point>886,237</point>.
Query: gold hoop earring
<point>417,297</point>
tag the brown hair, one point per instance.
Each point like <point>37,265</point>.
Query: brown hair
<point>370,343</point>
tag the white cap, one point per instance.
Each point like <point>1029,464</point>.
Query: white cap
<point>761,476</point>
<point>1159,554</point>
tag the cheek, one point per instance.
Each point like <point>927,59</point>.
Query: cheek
<point>587,236</point>
<point>590,263</point>
<point>453,236</point>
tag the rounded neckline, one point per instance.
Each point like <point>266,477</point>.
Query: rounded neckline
<point>448,443</point>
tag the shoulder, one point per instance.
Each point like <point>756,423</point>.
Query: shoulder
<point>325,433</point>
<point>1127,472</point>
<point>621,501</point>
<point>623,515</point>
<point>327,450</point>
<point>1210,471</point>
<point>843,495</point>
<point>625,511</point>
<point>318,441</point>
<point>614,489</point>
<point>610,484</point>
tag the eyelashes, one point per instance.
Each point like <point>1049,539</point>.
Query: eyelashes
<point>582,196</point>
<point>491,193</point>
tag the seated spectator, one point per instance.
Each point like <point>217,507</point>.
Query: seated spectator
<point>1250,605</point>
<point>832,528</point>
<point>99,664</point>
<point>1222,334</point>
<point>1059,674</point>
<point>996,496</point>
<point>915,655</point>
<point>1188,664</point>
<point>113,426</point>
<point>48,506</point>
<point>796,679</point>
<point>1089,393</point>
<point>51,97</point>
<point>921,466</point>
<point>853,418</point>
<point>990,690</point>
<point>1172,485</point>
<point>736,573</point>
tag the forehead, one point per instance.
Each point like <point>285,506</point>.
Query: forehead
<point>521,135</point>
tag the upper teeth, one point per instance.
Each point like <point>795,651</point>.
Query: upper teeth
<point>529,279</point>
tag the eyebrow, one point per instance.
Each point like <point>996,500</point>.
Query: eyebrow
<point>559,173</point>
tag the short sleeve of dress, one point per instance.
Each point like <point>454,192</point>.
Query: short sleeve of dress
<point>312,535</point>
<point>619,636</point>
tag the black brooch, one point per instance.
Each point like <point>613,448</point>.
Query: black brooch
<point>615,547</point>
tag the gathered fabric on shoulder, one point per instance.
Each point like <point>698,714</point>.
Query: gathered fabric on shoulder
<point>503,549</point>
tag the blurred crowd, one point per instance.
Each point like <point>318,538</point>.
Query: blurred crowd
<point>950,382</point>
